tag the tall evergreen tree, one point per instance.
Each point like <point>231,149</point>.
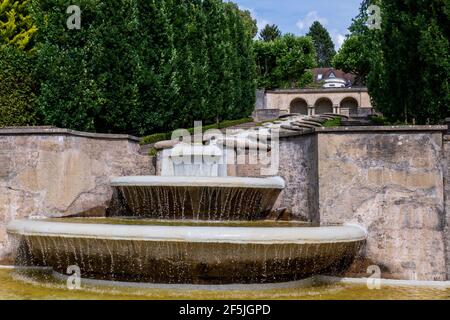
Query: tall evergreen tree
<point>158,88</point>
<point>250,25</point>
<point>145,65</point>
<point>406,63</point>
<point>270,33</point>
<point>409,79</point>
<point>323,44</point>
<point>18,87</point>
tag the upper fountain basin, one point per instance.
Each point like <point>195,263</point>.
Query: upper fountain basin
<point>198,198</point>
<point>218,182</point>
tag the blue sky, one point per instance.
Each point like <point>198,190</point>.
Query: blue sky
<point>296,16</point>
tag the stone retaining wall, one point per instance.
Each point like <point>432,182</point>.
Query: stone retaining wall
<point>394,181</point>
<point>57,172</point>
<point>390,181</point>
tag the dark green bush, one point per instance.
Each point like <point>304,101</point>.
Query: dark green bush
<point>379,120</point>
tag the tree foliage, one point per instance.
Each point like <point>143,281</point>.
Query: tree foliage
<point>16,25</point>
<point>409,79</point>
<point>270,33</point>
<point>143,66</point>
<point>354,57</point>
<point>406,64</point>
<point>360,48</point>
<point>323,44</point>
<point>17,78</point>
<point>283,63</point>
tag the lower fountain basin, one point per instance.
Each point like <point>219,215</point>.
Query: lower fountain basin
<point>186,254</point>
<point>208,198</point>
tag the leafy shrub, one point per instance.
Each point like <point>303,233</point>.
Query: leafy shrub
<point>379,120</point>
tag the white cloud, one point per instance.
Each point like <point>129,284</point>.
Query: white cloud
<point>306,22</point>
<point>338,39</point>
<point>261,23</point>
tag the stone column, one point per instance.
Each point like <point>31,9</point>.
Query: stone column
<point>311,110</point>
<point>336,109</point>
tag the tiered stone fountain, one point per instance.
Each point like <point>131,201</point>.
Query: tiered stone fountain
<point>191,225</point>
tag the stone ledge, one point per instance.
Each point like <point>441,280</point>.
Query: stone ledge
<point>288,134</point>
<point>319,90</point>
<point>382,129</point>
<point>11,131</point>
<point>367,129</point>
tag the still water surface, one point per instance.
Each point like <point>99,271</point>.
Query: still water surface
<point>17,285</point>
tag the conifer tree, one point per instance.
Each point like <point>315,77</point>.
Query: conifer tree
<point>16,25</point>
<point>270,33</point>
<point>324,45</point>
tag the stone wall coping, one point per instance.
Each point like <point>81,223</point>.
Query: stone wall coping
<point>284,134</point>
<point>366,129</point>
<point>417,129</point>
<point>13,131</point>
<point>320,90</point>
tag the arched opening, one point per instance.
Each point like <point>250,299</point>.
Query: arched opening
<point>351,104</point>
<point>324,105</point>
<point>299,106</point>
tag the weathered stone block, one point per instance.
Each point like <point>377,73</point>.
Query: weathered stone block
<point>60,173</point>
<point>392,184</point>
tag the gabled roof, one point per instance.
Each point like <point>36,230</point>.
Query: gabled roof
<point>326,72</point>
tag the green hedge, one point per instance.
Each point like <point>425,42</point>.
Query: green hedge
<point>144,66</point>
<point>153,138</point>
<point>337,122</point>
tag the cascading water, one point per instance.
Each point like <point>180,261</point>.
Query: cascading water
<point>207,231</point>
<point>205,198</point>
